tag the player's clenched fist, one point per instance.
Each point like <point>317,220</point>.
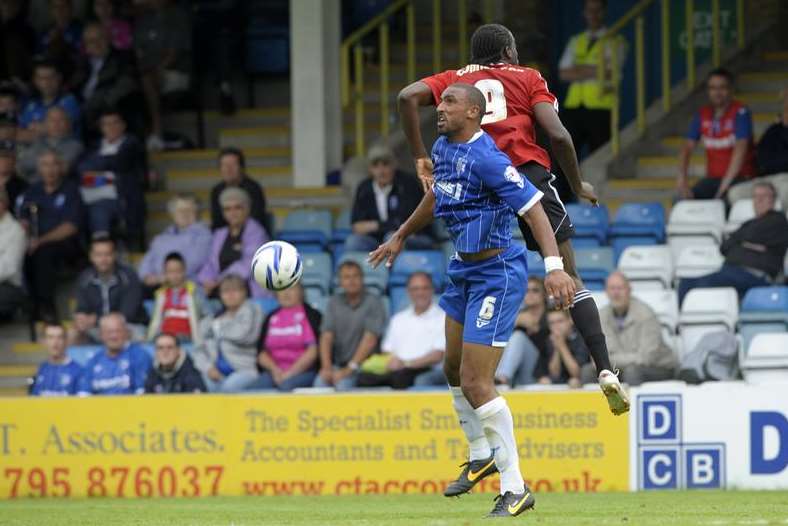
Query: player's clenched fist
<point>560,287</point>
<point>424,171</point>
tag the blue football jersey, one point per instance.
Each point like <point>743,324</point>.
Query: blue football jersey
<point>121,374</point>
<point>57,379</point>
<point>478,192</point>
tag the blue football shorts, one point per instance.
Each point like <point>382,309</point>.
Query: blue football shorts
<point>485,296</point>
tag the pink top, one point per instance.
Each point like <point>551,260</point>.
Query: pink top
<point>289,335</point>
<point>120,32</point>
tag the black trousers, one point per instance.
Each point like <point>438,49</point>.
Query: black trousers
<point>42,269</point>
<point>590,129</point>
<point>401,379</point>
<point>707,187</point>
<point>11,299</point>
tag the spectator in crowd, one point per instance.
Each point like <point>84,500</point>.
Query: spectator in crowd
<point>634,337</point>
<point>12,256</point>
<point>227,356</point>
<point>119,30</point>
<point>232,164</point>
<point>173,370</point>
<point>8,130</point>
<point>51,213</point>
<point>220,26</point>
<point>383,202</point>
<point>48,83</point>
<point>121,366</point>
<point>57,136</point>
<point>112,179</point>
<point>754,253</point>
<point>107,286</point>
<point>725,128</point>
<point>9,97</point>
<point>9,179</point>
<point>179,303</point>
<point>529,339</point>
<point>234,245</point>
<point>62,41</point>
<point>773,146</point>
<point>586,108</point>
<point>104,78</point>
<point>17,41</point>
<point>59,375</point>
<point>187,236</point>
<point>287,358</point>
<point>162,41</point>
<point>565,352</point>
<point>353,322</point>
<point>415,339</point>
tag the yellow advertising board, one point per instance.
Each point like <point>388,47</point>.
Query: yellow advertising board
<point>165,446</point>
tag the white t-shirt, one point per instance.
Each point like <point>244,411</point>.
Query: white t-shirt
<point>411,336</point>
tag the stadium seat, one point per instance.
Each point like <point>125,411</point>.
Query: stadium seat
<point>594,265</point>
<point>82,353</point>
<point>695,222</point>
<point>766,359</point>
<point>535,264</point>
<point>647,267</point>
<point>399,298</point>
<point>707,310</point>
<point>665,304</point>
<point>342,229</point>
<point>410,261</point>
<point>376,278</point>
<point>267,305</point>
<point>308,229</point>
<point>763,309</point>
<point>590,222</point>
<point>317,271</point>
<point>600,298</point>
<point>698,261</point>
<point>637,224</point>
<point>741,212</point>
<point>316,298</point>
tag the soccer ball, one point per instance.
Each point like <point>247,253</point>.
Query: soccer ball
<point>277,265</point>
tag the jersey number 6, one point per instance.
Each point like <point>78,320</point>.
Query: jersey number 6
<point>496,100</point>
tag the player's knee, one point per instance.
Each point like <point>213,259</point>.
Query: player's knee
<point>476,388</point>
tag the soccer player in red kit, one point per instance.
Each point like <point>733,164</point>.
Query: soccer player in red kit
<point>517,100</point>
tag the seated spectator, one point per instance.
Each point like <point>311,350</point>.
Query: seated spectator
<point>104,78</point>
<point>415,339</point>
<point>754,253</point>
<point>107,286</point>
<point>173,370</point>
<point>725,128</point>
<point>565,352</point>
<point>12,256</point>
<point>773,146</point>
<point>234,245</point>
<point>231,169</point>
<point>112,178</point>
<point>9,97</point>
<point>383,202</point>
<point>634,338</point>
<point>17,41</point>
<point>51,213</point>
<point>227,357</point>
<point>57,136</point>
<point>8,131</point>
<point>62,41</point>
<point>187,236</point>
<point>529,339</point>
<point>353,322</point>
<point>118,29</point>
<point>162,41</point>
<point>48,83</point>
<point>179,303</point>
<point>121,367</point>
<point>287,358</point>
<point>9,178</point>
<point>59,375</point>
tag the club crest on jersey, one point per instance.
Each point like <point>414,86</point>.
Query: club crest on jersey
<point>461,163</point>
<point>513,176</point>
<point>486,312</point>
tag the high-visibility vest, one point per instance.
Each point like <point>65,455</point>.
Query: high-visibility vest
<point>589,93</point>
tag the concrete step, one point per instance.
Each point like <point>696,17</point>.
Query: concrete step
<point>666,166</point>
<point>646,183</point>
<point>255,137</point>
<point>775,56</point>
<point>208,158</point>
<point>157,201</point>
<point>762,81</point>
<point>17,370</point>
<point>203,179</point>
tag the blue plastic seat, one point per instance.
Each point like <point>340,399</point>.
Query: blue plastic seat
<point>621,243</point>
<point>376,278</point>
<point>83,353</point>
<point>594,265</point>
<point>399,299</point>
<point>342,228</point>
<point>763,309</point>
<point>307,227</point>
<point>267,305</point>
<point>316,298</point>
<point>639,220</point>
<point>317,271</point>
<point>410,261</point>
<point>590,222</point>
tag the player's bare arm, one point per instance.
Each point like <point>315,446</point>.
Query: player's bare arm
<point>558,283</point>
<point>420,218</point>
<point>409,100</point>
<point>564,150</point>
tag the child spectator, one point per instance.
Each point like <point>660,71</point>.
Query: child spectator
<point>179,303</point>
<point>59,375</point>
<point>173,370</point>
<point>566,353</point>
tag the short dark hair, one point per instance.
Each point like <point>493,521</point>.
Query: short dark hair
<point>167,335</point>
<point>475,97</point>
<point>43,62</point>
<point>768,185</point>
<point>721,72</point>
<point>350,263</point>
<point>488,43</point>
<point>54,325</point>
<point>111,111</point>
<point>100,239</point>
<point>237,152</point>
<point>174,256</point>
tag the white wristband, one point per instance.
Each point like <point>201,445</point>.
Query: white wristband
<point>552,263</point>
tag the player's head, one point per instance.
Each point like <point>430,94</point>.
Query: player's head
<point>168,351</point>
<point>174,270</point>
<point>351,278</point>
<point>594,13</point>
<point>493,43</point>
<point>719,87</point>
<point>114,332</point>
<point>55,341</point>
<point>618,291</point>
<point>102,254</point>
<point>461,110</point>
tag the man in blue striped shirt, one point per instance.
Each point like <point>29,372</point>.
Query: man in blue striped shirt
<point>477,192</point>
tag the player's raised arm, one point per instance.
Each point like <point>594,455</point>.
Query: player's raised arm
<point>409,100</point>
<point>419,219</point>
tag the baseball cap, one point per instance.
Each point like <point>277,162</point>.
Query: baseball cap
<point>380,152</point>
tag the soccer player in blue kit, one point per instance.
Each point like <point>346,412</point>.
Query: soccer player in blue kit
<point>477,192</point>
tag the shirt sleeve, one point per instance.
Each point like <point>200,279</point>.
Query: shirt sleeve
<point>328,323</point>
<point>539,92</point>
<point>514,189</point>
<point>742,127</point>
<point>390,339</point>
<point>73,207</point>
<point>693,133</point>
<point>375,321</point>
<point>440,82</point>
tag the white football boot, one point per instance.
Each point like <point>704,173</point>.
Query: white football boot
<point>617,398</point>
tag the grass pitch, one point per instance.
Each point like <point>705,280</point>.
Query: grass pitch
<point>712,508</point>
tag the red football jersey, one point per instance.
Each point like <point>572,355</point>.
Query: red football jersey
<point>512,92</point>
